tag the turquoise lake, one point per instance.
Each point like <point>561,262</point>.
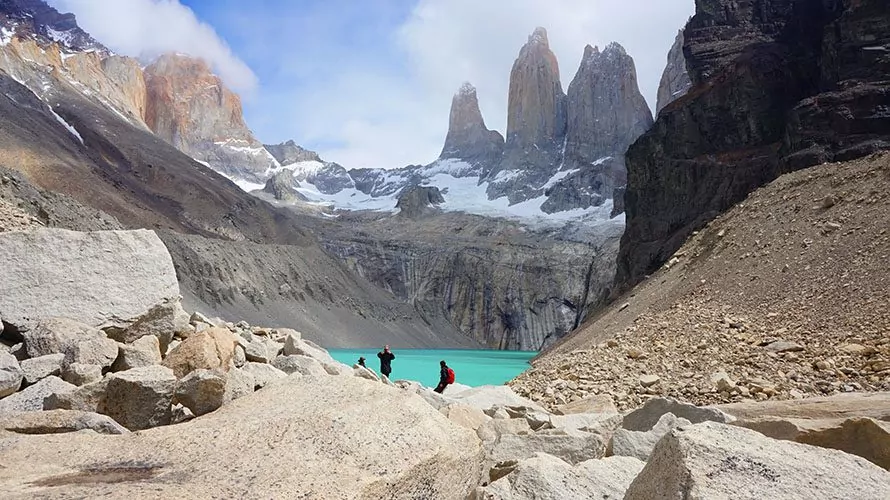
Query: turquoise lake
<point>471,367</point>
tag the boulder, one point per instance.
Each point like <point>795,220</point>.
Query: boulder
<point>11,374</point>
<point>545,476</point>
<point>95,278</point>
<point>31,398</point>
<point>639,444</point>
<point>648,415</point>
<point>304,365</point>
<point>600,403</point>
<point>261,350</point>
<point>79,374</point>
<point>366,373</point>
<point>140,398</point>
<point>58,422</point>
<point>294,345</point>
<point>80,343</point>
<point>601,423</point>
<point>88,398</point>
<point>163,321</point>
<point>208,350</point>
<point>201,391</point>
<point>488,396</point>
<point>41,367</point>
<point>330,437</point>
<point>465,416</point>
<point>842,406</point>
<point>145,351</point>
<point>712,460</point>
<point>864,437</point>
<point>180,414</point>
<point>514,440</point>
<point>238,384</point>
<point>240,357</point>
<point>262,373</point>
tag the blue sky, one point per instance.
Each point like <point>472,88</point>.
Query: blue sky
<point>368,83</point>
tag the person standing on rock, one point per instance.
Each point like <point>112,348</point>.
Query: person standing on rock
<point>361,362</point>
<point>446,377</point>
<point>386,358</point>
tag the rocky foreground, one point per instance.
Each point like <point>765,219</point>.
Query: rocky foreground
<point>109,388</point>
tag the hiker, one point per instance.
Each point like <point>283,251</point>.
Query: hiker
<point>361,361</point>
<point>386,358</point>
<point>446,377</point>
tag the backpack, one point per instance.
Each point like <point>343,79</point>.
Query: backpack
<point>450,376</point>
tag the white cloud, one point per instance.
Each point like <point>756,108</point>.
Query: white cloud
<point>147,28</point>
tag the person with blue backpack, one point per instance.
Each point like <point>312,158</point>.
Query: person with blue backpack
<point>446,377</point>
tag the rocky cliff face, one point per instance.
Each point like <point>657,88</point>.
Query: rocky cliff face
<point>36,18</point>
<point>777,85</point>
<point>289,152</point>
<point>190,107</point>
<point>675,80</point>
<point>418,201</point>
<point>536,123</point>
<point>606,114</point>
<point>468,138</point>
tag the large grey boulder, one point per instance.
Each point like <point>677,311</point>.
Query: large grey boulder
<point>39,368</point>
<point>58,422</point>
<point>87,398</point>
<point>163,321</point>
<point>140,398</point>
<point>639,444</point>
<point>238,384</point>
<point>31,398</point>
<point>95,278</point>
<point>647,416</point>
<point>260,349</point>
<point>303,365</point>
<point>262,373</point>
<point>514,439</point>
<point>547,477</point>
<point>11,374</point>
<point>487,397</point>
<point>599,403</point>
<point>80,375</point>
<point>145,351</point>
<point>294,345</point>
<point>80,343</point>
<point>712,460</point>
<point>210,349</point>
<point>329,437</point>
<point>201,391</point>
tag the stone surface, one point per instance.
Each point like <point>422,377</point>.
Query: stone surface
<point>145,351</point>
<point>675,80</point>
<point>366,373</point>
<point>417,201</point>
<point>841,406</point>
<point>465,416</point>
<point>639,444</point>
<point>304,365</point>
<point>31,398</point>
<point>646,417</point>
<point>11,374</point>
<point>95,277</point>
<point>164,321</point>
<point>78,342</point>
<point>547,477</point>
<point>283,187</point>
<point>599,403</point>
<point>80,374</point>
<point>208,350</point>
<point>41,367</point>
<point>58,422</point>
<point>260,350</point>
<point>712,460</point>
<point>468,138</point>
<point>864,437</point>
<point>140,398</point>
<point>489,396</point>
<point>88,398</point>
<point>238,384</point>
<point>294,345</point>
<point>262,373</point>
<point>339,435</point>
<point>201,391</point>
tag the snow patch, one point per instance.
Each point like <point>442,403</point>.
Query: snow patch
<point>63,37</point>
<point>878,48</point>
<point>6,35</point>
<point>67,125</point>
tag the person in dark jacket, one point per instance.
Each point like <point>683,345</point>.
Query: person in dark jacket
<point>443,377</point>
<point>386,358</point>
<point>361,361</point>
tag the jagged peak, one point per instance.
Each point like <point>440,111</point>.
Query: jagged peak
<point>616,48</point>
<point>466,89</point>
<point>591,51</point>
<point>539,36</point>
